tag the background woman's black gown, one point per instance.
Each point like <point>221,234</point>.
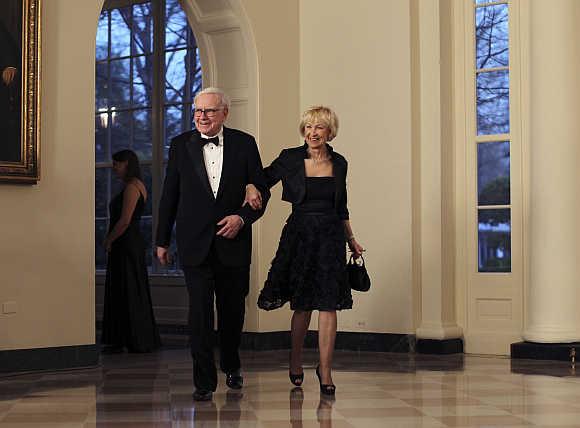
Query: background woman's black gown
<point>128,318</point>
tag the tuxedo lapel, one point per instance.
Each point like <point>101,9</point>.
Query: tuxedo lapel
<point>194,149</point>
<point>229,153</point>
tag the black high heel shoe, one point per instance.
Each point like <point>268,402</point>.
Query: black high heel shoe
<point>296,379</point>
<point>329,389</point>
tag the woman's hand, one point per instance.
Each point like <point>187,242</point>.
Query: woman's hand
<point>355,247</point>
<point>253,197</point>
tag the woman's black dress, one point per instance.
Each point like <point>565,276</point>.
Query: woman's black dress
<point>309,267</point>
<point>128,318</point>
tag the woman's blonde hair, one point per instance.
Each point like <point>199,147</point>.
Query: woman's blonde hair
<point>323,115</point>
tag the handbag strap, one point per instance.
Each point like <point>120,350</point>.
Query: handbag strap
<point>352,261</point>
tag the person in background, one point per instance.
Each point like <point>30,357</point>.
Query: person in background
<point>128,319</point>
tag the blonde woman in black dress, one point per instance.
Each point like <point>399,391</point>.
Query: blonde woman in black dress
<point>309,267</point>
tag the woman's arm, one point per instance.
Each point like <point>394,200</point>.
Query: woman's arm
<point>353,245</point>
<point>130,197</point>
<point>273,175</point>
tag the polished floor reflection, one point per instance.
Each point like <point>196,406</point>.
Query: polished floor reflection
<point>373,390</point>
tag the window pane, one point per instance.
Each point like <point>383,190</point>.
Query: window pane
<point>102,192</point>
<point>103,36</point>
<point>175,75</point>
<point>120,83</point>
<point>147,232</point>
<point>101,143</point>
<point>494,241</point>
<point>174,125</point>
<point>493,173</point>
<point>146,171</point>
<point>142,134</point>
<point>100,233</point>
<point>120,33</point>
<point>120,131</point>
<point>182,75</point>
<point>176,27</point>
<point>142,28</point>
<point>492,37</point>
<point>493,115</point>
<point>196,72</point>
<point>142,80</point>
<point>101,85</point>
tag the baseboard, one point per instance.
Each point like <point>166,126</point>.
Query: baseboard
<point>439,346</point>
<point>61,357</point>
<point>545,351</point>
<point>270,341</point>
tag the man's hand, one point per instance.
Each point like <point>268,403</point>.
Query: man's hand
<point>163,255</point>
<point>8,75</point>
<point>253,197</point>
<point>231,225</point>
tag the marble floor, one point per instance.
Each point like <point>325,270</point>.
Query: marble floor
<point>373,390</point>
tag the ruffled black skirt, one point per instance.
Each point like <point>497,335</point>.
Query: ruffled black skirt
<point>308,269</point>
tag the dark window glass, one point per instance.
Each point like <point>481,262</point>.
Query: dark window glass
<point>142,81</point>
<point>101,192</point>
<point>176,28</point>
<point>100,233</point>
<point>120,72</point>
<point>491,36</point>
<point>142,29</point>
<point>493,173</point>
<point>493,113</point>
<point>120,32</point>
<point>142,137</point>
<point>102,46</point>
<point>494,240</point>
<point>120,130</point>
<point>101,138</point>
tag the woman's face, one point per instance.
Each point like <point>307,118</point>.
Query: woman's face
<point>316,134</point>
<point>120,168</point>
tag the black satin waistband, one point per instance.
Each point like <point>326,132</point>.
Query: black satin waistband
<point>314,207</point>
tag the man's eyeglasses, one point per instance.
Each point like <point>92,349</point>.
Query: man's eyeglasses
<point>209,112</point>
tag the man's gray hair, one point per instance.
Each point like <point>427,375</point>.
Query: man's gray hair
<point>224,99</point>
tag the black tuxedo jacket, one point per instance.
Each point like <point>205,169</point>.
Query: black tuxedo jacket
<point>188,200</point>
<point>289,167</point>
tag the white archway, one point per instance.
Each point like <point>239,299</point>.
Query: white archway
<point>228,55</point>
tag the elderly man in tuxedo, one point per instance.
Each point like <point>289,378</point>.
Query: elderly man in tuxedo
<point>203,193</point>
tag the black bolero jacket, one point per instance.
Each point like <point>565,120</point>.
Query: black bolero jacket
<point>289,167</point>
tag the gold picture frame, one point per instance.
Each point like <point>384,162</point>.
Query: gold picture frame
<point>20,131</point>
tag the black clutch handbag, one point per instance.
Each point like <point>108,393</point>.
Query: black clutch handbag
<point>358,278</point>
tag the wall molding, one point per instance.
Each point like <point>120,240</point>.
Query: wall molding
<point>54,358</point>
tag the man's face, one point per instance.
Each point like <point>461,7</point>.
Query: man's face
<point>209,115</point>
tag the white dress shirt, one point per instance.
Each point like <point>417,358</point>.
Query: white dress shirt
<point>214,157</point>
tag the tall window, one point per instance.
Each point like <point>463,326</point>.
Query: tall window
<point>493,135</point>
<point>147,73</point>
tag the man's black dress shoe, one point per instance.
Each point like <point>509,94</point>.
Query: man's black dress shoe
<point>234,380</point>
<point>202,395</point>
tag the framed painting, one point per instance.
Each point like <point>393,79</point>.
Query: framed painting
<point>20,91</point>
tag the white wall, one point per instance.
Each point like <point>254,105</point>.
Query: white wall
<point>356,59</point>
<point>47,230</point>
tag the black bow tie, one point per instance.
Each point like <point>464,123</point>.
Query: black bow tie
<point>214,140</point>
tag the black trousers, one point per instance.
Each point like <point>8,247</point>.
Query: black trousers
<point>230,285</point>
